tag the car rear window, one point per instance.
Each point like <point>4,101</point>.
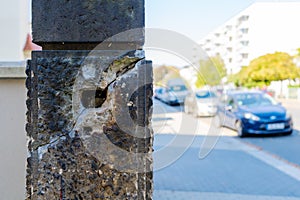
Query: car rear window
<point>178,88</point>
<point>205,94</point>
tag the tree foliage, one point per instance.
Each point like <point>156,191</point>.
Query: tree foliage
<point>162,74</point>
<point>211,71</point>
<point>264,69</point>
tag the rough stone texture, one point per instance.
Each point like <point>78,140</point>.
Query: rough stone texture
<point>73,21</point>
<point>89,127</point>
<point>89,112</point>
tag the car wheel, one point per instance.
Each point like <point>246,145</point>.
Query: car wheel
<point>239,128</point>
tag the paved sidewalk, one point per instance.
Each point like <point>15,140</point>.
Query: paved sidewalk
<point>183,195</point>
<point>232,171</point>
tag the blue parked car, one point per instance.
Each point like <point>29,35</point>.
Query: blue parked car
<point>253,112</point>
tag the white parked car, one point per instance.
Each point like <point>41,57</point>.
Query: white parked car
<point>201,103</point>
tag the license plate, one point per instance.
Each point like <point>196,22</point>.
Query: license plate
<point>276,126</point>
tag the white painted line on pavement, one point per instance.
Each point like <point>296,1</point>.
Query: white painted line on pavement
<point>278,163</point>
<point>176,195</point>
<point>275,161</point>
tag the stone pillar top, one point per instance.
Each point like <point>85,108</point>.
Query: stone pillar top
<point>86,21</point>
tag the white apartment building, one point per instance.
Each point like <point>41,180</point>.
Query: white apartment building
<point>264,27</point>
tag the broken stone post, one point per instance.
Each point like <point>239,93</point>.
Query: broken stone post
<point>89,102</point>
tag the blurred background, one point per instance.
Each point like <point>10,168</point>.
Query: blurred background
<point>244,45</point>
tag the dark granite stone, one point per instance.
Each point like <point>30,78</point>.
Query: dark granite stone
<point>81,21</point>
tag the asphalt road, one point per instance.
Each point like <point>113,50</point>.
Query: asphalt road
<point>192,160</point>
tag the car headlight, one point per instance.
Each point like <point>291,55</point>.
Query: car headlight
<point>251,116</point>
<point>288,115</point>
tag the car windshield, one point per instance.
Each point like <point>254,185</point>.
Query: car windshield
<point>254,99</point>
<point>205,94</point>
<point>177,88</point>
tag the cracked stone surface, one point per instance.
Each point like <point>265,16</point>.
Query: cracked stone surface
<point>88,126</point>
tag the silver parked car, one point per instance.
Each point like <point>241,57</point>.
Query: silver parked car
<point>201,103</point>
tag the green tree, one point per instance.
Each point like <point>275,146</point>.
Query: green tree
<point>163,73</point>
<point>211,71</point>
<point>263,70</point>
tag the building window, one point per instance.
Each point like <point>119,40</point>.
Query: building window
<point>244,30</point>
<point>229,27</point>
<point>245,43</point>
<point>229,49</point>
<point>244,55</point>
<point>244,18</point>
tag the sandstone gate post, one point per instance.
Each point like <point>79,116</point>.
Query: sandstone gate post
<point>89,102</point>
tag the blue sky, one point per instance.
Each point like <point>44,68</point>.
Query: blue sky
<point>192,18</point>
